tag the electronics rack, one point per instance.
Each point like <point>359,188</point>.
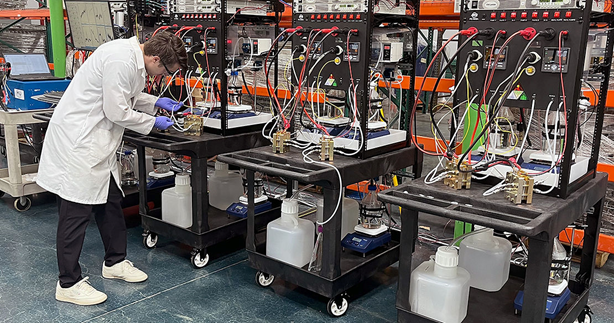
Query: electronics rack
<point>363,20</point>
<point>544,82</point>
<point>213,22</point>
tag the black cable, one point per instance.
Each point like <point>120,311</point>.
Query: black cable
<point>310,70</point>
<point>248,91</point>
<point>508,88</point>
<point>308,126</point>
<point>597,99</point>
<point>441,74</point>
<point>270,65</point>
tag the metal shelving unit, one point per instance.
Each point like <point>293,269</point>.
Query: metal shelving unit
<point>541,222</point>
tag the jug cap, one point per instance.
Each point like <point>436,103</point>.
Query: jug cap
<point>221,166</point>
<point>446,256</point>
<point>289,206</point>
<point>182,179</point>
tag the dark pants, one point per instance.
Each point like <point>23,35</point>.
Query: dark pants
<point>72,223</point>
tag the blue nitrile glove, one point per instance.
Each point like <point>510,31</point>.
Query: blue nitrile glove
<point>163,122</point>
<point>168,104</point>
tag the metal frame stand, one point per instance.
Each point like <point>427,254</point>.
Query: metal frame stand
<point>209,225</point>
<point>14,179</point>
<point>340,270</point>
<point>540,221</point>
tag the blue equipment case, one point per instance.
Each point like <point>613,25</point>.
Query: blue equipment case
<point>240,210</point>
<point>21,93</point>
<point>362,243</point>
<point>554,305</point>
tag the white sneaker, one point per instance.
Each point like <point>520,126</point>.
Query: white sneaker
<point>124,270</point>
<point>81,293</point>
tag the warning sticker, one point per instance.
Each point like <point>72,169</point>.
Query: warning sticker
<point>330,81</point>
<point>20,94</point>
<point>518,94</point>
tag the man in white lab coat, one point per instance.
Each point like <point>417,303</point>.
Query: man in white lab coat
<point>78,161</point>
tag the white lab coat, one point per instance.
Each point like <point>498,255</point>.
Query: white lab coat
<point>88,123</point>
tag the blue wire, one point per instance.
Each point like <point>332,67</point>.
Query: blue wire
<point>285,3</point>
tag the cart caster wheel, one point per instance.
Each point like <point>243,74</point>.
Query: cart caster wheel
<point>264,280</point>
<point>198,259</point>
<point>337,306</point>
<point>150,240</point>
<point>585,316</point>
<point>22,204</point>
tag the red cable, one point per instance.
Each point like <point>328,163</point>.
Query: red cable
<point>487,86</point>
<point>352,89</point>
<point>270,86</point>
<point>319,126</point>
<point>561,34</point>
<point>412,117</point>
<point>302,74</point>
<point>161,28</point>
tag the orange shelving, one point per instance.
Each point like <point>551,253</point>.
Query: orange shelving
<point>438,14</point>
<point>437,9</point>
<point>605,244</point>
<point>32,14</point>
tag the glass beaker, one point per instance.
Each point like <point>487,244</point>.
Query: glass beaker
<point>371,210</point>
<point>258,187</point>
<point>161,162</point>
<point>128,177</point>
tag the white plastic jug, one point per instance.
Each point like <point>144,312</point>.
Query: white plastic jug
<point>225,187</point>
<point>487,259</point>
<point>288,238</point>
<point>349,215</point>
<point>439,288</point>
<point>177,202</point>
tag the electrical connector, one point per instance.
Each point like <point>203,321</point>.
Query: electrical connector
<point>456,179</point>
<point>548,33</point>
<point>528,33</point>
<point>469,32</point>
<point>338,50</point>
<point>534,58</point>
<point>291,30</point>
<point>328,30</point>
<point>280,142</point>
<point>519,187</point>
<point>193,125</point>
<point>476,55</point>
<point>327,147</point>
<point>488,32</point>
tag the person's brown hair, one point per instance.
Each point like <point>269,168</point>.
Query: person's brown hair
<point>168,47</point>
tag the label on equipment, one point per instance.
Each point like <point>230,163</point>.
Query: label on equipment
<point>19,94</point>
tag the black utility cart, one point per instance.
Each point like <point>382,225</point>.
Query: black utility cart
<point>340,270</point>
<point>209,225</point>
<point>540,221</point>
